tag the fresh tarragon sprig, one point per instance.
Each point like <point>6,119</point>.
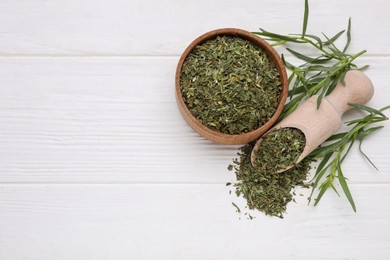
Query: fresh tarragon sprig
<point>319,75</point>
<point>336,148</point>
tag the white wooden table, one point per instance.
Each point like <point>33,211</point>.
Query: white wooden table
<point>96,161</point>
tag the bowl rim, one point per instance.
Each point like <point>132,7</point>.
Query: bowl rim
<point>216,136</point>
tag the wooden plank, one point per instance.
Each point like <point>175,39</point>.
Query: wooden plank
<point>165,27</point>
<point>115,120</point>
<point>184,222</point>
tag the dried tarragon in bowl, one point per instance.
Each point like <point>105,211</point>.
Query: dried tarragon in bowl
<point>230,85</point>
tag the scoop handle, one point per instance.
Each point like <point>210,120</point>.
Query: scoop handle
<point>358,89</point>
<point>318,124</point>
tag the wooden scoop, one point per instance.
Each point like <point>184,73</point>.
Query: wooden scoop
<point>319,124</point>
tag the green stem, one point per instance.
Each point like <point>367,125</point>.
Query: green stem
<point>341,68</point>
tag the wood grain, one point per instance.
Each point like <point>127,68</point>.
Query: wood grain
<point>166,27</point>
<point>95,120</point>
<point>96,161</point>
<point>184,222</point>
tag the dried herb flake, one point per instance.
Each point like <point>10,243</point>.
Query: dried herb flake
<point>279,149</point>
<point>266,191</point>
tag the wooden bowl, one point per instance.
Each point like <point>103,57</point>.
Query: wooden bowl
<point>232,138</point>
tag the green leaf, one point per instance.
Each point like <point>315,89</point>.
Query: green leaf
<point>322,164</point>
<point>305,18</point>
<point>277,42</point>
<point>338,54</point>
<point>359,120</point>
<point>364,67</point>
<point>342,78</point>
<point>318,39</point>
<point>334,188</point>
<point>288,65</point>
<point>365,155</point>
<point>344,185</point>
<point>316,80</point>
<point>369,131</point>
<point>324,187</point>
<point>331,84</point>
<point>334,38</point>
<point>300,56</point>
<point>276,36</point>
<point>319,99</point>
<point>348,36</point>
<point>361,136</point>
<point>291,77</point>
<point>319,67</point>
<point>294,102</point>
<point>294,89</point>
<point>323,150</point>
<point>318,177</point>
<point>384,108</point>
<point>290,107</point>
<point>336,136</point>
<point>297,90</point>
<point>369,109</point>
<point>325,87</point>
<point>336,51</point>
<point>308,59</point>
<point>237,208</point>
<point>349,148</point>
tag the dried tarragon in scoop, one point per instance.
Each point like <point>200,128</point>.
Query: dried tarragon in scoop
<point>279,149</point>
<point>230,85</point>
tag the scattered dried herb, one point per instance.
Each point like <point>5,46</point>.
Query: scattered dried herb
<point>237,208</point>
<point>279,149</point>
<point>266,191</point>
<point>230,85</point>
